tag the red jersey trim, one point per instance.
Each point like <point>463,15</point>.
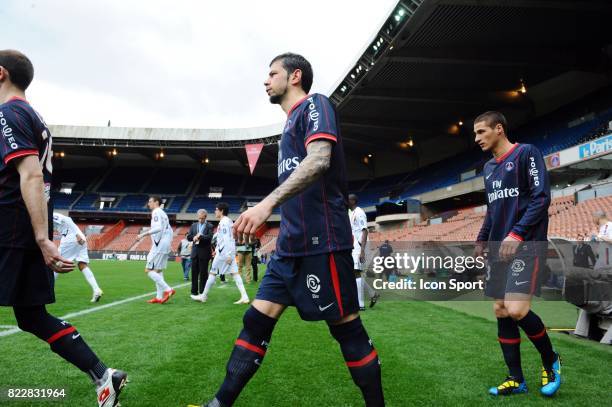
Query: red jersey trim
<point>515,236</point>
<point>18,98</point>
<point>503,157</point>
<point>18,154</point>
<point>318,136</point>
<point>299,102</point>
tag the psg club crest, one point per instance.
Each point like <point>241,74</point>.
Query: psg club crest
<point>509,166</point>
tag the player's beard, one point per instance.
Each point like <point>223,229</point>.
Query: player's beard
<point>277,99</point>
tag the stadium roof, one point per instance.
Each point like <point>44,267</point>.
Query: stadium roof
<point>410,96</point>
<point>436,64</point>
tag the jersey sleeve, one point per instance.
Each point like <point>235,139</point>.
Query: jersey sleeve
<point>362,220</point>
<point>57,221</point>
<point>18,136</point>
<point>225,237</point>
<point>156,222</point>
<point>73,226</point>
<point>319,120</point>
<point>534,168</point>
<point>485,229</point>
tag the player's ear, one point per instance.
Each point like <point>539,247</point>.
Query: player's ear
<point>296,77</point>
<point>3,74</point>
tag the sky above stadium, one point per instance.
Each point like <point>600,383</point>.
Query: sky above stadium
<point>193,64</point>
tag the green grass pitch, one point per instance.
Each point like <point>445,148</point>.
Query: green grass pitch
<point>442,354</point>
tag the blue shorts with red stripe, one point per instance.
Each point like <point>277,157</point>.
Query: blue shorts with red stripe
<point>519,276</point>
<point>322,287</point>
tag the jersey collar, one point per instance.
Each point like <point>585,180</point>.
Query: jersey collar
<point>299,102</point>
<point>17,98</point>
<point>503,157</point>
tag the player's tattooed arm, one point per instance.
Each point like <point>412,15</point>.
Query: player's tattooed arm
<point>316,163</point>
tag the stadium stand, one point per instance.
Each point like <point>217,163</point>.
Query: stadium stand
<point>124,240</point>
<point>258,186</point>
<point>85,202</point>
<point>132,203</point>
<point>549,136</point>
<point>203,202</point>
<point>567,219</point>
<point>82,178</point>
<point>64,201</point>
<point>125,179</point>
<point>168,181</point>
<point>578,220</point>
<point>176,204</point>
<point>230,183</point>
<point>99,241</point>
<point>268,240</point>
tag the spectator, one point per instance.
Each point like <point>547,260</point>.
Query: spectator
<point>184,250</point>
<point>385,250</point>
<point>583,253</point>
<point>244,254</point>
<point>200,234</point>
<point>255,261</point>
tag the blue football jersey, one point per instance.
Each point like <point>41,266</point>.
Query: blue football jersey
<point>23,133</point>
<point>518,196</point>
<point>316,220</point>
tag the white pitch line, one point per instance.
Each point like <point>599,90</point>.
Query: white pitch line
<point>71,315</point>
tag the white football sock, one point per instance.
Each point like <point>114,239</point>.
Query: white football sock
<point>164,285</point>
<point>159,283</point>
<point>209,283</point>
<point>240,285</point>
<point>371,292</point>
<point>359,282</point>
<point>88,274</point>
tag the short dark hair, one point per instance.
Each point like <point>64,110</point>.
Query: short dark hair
<point>492,118</point>
<point>354,197</point>
<point>19,67</point>
<point>223,207</point>
<point>156,198</point>
<point>291,62</point>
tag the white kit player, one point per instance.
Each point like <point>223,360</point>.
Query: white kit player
<point>225,258</point>
<point>157,259</point>
<point>359,227</point>
<point>73,246</point>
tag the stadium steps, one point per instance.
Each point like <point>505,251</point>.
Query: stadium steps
<point>100,241</point>
<point>76,200</point>
<point>192,191</point>
<point>577,221</point>
<point>93,187</point>
<point>367,183</point>
<point>242,186</point>
<point>268,240</point>
<point>125,240</point>
<point>118,201</point>
<point>146,184</point>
